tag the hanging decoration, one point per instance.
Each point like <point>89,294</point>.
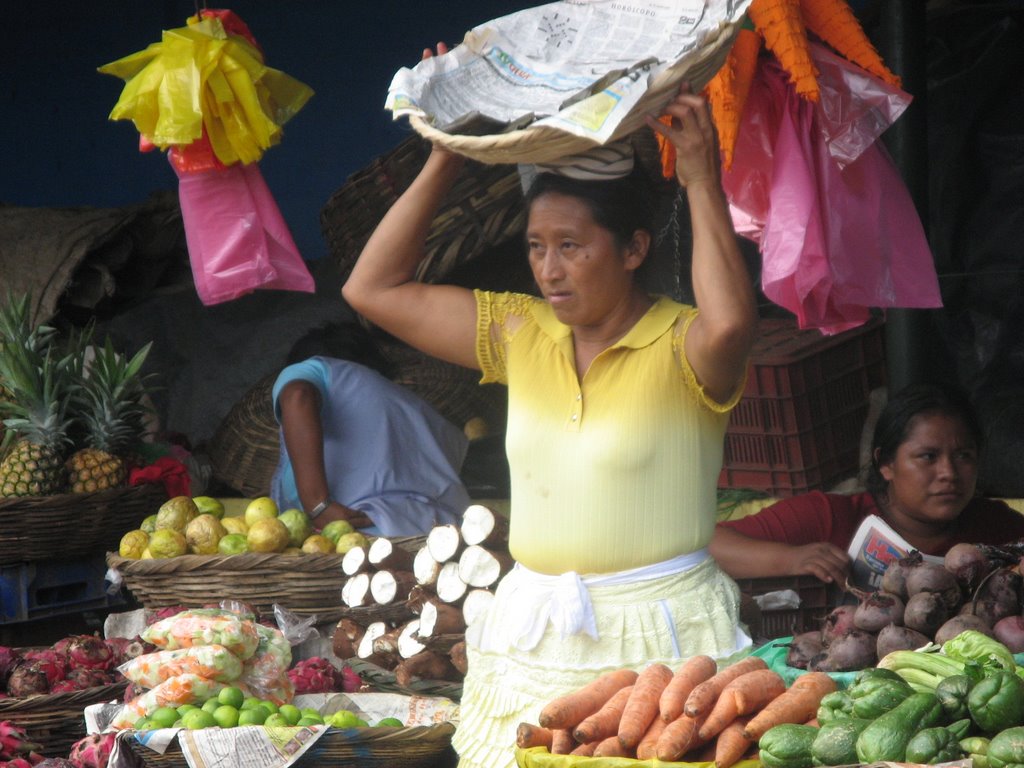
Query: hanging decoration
<point>204,95</point>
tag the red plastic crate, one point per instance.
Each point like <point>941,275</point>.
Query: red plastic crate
<point>799,424</point>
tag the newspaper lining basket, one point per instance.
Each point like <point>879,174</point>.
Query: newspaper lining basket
<point>307,584</point>
<point>72,525</point>
<point>542,144</point>
<point>420,746</point>
<point>55,720</point>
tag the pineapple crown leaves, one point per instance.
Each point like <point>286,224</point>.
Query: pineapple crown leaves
<point>42,394</point>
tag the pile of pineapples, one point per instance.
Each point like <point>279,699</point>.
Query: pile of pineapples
<point>73,411</point>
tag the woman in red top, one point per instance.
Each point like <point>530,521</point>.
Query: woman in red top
<point>921,481</point>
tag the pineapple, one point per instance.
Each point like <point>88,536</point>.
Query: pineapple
<point>112,408</point>
<point>36,414</point>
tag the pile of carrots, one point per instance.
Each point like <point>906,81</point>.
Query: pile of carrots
<point>697,713</point>
<point>782,28</point>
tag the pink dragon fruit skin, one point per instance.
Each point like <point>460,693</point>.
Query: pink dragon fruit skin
<point>92,751</point>
<point>27,679</point>
<point>49,661</point>
<point>89,652</point>
<point>14,741</point>
<point>126,648</point>
<point>80,679</point>
<point>315,675</point>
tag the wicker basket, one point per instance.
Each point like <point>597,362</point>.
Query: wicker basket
<point>541,144</point>
<point>56,720</point>
<point>245,448</point>
<point>381,679</point>
<point>420,746</point>
<point>307,584</point>
<point>72,525</point>
<point>483,209</point>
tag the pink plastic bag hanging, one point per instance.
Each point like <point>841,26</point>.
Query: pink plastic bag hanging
<point>238,241</point>
<point>837,229</point>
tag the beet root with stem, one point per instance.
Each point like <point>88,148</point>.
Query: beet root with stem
<point>893,638</point>
<point>877,610</point>
<point>968,564</point>
<point>962,623</point>
<point>838,622</point>
<point>932,577</point>
<point>802,649</point>
<point>856,649</point>
<point>1010,632</point>
<point>925,613</point>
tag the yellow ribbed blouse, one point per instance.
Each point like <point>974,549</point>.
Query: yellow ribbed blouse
<point>614,472</point>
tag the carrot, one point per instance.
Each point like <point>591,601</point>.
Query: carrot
<point>642,706</point>
<point>604,722</point>
<point>690,674</point>
<point>611,747</point>
<point>744,695</point>
<point>731,745</point>
<point>530,735</point>
<point>678,737</point>
<point>835,23</point>
<point>727,91</point>
<point>585,750</point>
<point>782,27</point>
<point>702,698</point>
<point>562,742</point>
<point>567,711</point>
<point>797,705</point>
<point>648,746</point>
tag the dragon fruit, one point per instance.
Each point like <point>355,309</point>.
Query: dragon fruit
<point>350,680</point>
<point>52,663</point>
<point>20,762</point>
<point>93,751</point>
<point>315,675</point>
<point>89,652</point>
<point>125,648</point>
<point>27,679</point>
<point>9,658</point>
<point>14,741</point>
<point>80,679</point>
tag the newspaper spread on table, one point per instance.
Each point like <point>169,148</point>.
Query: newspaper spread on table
<point>873,547</point>
<point>577,65</point>
<point>259,747</point>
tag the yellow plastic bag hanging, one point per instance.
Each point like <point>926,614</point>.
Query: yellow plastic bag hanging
<point>207,81</point>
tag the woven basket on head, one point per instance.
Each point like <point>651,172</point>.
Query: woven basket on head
<point>72,525</point>
<point>418,746</point>
<point>245,448</point>
<point>305,584</point>
<point>55,719</point>
<point>483,209</point>
<point>542,144</point>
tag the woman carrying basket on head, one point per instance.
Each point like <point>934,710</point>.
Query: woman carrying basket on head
<point>618,404</point>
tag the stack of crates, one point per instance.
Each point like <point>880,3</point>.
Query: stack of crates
<point>798,426</point>
<point>40,590</point>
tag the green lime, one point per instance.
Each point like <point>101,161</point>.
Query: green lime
<point>310,712</point>
<point>250,703</point>
<point>226,716</point>
<point>163,717</point>
<point>290,712</point>
<point>254,716</point>
<point>390,722</point>
<point>307,720</point>
<point>276,720</point>
<point>270,706</point>
<point>197,719</point>
<point>142,724</point>
<point>345,718</point>
<point>185,708</point>
<point>210,705</point>
<point>231,696</point>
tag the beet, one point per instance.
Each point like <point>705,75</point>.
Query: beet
<point>932,577</point>
<point>1004,586</point>
<point>803,648</point>
<point>894,580</point>
<point>958,624</point>
<point>990,611</point>
<point>877,610</point>
<point>856,649</point>
<point>968,564</point>
<point>893,638</point>
<point>925,613</point>
<point>838,622</point>
<point>1010,632</point>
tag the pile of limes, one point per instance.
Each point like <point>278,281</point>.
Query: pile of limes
<point>229,708</point>
<point>198,526</point>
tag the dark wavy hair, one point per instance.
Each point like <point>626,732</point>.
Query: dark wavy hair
<point>896,419</point>
<point>622,206</point>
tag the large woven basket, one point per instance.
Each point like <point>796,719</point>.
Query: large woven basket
<point>483,209</point>
<point>56,720</point>
<point>307,584</point>
<point>541,144</point>
<point>245,448</point>
<point>420,746</point>
<point>72,525</point>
